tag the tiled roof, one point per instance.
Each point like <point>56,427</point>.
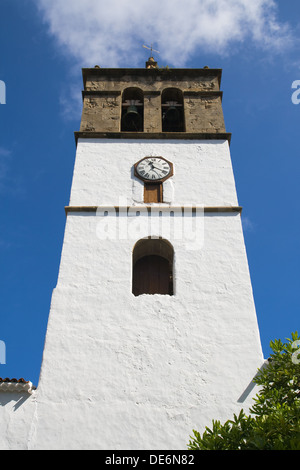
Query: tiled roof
<point>16,385</point>
<point>21,381</point>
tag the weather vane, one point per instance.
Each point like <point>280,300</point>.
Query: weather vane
<point>150,49</point>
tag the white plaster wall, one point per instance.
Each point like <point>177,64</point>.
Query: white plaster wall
<point>16,418</point>
<point>103,172</point>
<point>126,372</point>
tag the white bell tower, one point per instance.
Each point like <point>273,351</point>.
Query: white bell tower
<point>152,330</point>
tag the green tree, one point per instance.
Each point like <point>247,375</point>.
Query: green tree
<point>274,419</point>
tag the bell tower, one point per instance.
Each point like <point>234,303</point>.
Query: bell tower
<point>152,330</point>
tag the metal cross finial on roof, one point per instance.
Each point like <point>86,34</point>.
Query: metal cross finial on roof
<point>150,49</point>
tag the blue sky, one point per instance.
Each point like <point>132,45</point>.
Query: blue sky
<point>44,45</point>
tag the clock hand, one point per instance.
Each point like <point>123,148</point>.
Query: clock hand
<point>156,167</point>
<point>152,167</point>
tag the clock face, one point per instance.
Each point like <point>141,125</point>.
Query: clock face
<point>153,169</point>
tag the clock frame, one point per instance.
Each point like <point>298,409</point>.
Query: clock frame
<point>156,180</point>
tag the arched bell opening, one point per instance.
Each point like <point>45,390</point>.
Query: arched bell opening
<point>132,119</point>
<point>172,110</point>
<point>152,263</point>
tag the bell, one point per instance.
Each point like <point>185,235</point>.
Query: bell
<point>172,115</point>
<point>132,120</point>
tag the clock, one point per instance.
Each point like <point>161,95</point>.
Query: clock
<point>153,169</point>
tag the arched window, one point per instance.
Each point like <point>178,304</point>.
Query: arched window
<point>132,119</point>
<point>172,110</point>
<point>152,267</point>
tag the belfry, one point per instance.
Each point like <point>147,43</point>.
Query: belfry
<point>152,329</point>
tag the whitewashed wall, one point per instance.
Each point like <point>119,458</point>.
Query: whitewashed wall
<point>125,372</point>
<point>103,172</point>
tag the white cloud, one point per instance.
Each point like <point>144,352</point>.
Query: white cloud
<point>71,102</point>
<point>111,33</point>
<point>248,225</point>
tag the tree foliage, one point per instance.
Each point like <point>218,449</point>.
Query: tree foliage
<point>274,419</point>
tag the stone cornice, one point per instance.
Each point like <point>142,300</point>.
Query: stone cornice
<point>170,73</point>
<point>153,208</point>
<point>153,135</point>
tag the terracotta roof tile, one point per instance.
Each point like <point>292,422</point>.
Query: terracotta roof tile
<point>20,381</point>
